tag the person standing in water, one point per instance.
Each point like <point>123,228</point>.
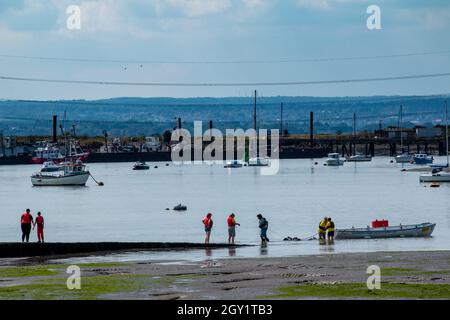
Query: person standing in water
<point>231,221</point>
<point>330,230</point>
<point>323,228</point>
<point>40,227</point>
<point>208,223</point>
<point>263,225</point>
<point>25,223</point>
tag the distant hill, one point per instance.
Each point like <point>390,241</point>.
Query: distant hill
<point>144,116</point>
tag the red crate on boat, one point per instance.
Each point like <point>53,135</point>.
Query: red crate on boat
<point>380,224</point>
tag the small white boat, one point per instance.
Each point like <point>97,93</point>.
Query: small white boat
<point>404,158</point>
<point>69,174</point>
<point>140,165</point>
<point>440,176</point>
<point>234,164</point>
<point>334,160</point>
<point>359,158</point>
<point>407,231</point>
<point>258,162</point>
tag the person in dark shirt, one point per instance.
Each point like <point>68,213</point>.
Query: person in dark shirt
<point>263,226</point>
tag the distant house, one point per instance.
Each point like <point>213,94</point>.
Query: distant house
<point>9,147</point>
<point>422,132</point>
<point>392,132</point>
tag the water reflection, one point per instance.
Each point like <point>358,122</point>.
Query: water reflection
<point>264,250</point>
<point>208,252</point>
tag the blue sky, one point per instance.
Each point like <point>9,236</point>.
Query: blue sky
<point>231,30</point>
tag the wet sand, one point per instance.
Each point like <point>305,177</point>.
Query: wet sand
<point>17,250</point>
<point>246,278</point>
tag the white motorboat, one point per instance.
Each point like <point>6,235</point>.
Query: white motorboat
<point>404,158</point>
<point>258,162</point>
<point>440,176</point>
<point>334,160</point>
<point>141,165</point>
<point>234,164</point>
<point>359,158</point>
<point>69,174</point>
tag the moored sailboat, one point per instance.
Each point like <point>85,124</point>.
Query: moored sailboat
<point>438,174</point>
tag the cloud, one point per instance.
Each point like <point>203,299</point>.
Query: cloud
<point>197,8</point>
<point>255,4</point>
<point>324,4</point>
<point>431,18</point>
<point>28,15</point>
<point>313,4</point>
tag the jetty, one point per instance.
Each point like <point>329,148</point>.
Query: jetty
<point>22,250</point>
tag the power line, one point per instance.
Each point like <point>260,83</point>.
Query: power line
<point>268,61</point>
<point>223,84</point>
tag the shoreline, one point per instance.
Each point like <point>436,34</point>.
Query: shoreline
<point>33,249</point>
<point>404,275</point>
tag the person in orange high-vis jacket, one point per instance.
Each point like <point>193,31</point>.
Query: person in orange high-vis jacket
<point>231,221</point>
<point>208,223</point>
<point>25,223</point>
<point>39,222</point>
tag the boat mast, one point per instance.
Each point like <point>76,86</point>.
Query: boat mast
<point>254,111</point>
<point>401,127</point>
<point>65,138</point>
<point>354,134</point>
<point>446,131</point>
<point>281,120</point>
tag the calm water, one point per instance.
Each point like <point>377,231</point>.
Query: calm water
<point>132,205</point>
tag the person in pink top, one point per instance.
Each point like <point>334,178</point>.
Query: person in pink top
<point>39,222</point>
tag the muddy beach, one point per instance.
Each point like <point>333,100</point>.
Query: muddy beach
<point>404,275</point>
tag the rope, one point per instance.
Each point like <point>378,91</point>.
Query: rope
<point>99,183</point>
<point>313,237</point>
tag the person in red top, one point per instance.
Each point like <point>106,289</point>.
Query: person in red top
<point>208,223</point>
<point>40,227</point>
<point>25,223</point>
<point>231,221</point>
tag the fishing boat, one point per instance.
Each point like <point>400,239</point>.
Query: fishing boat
<point>401,231</point>
<point>47,152</point>
<point>234,164</point>
<point>359,158</point>
<point>69,174</point>
<point>334,160</point>
<point>141,165</point>
<point>422,158</point>
<point>51,152</point>
<point>258,162</point>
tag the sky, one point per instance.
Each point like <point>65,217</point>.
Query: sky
<point>183,31</point>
